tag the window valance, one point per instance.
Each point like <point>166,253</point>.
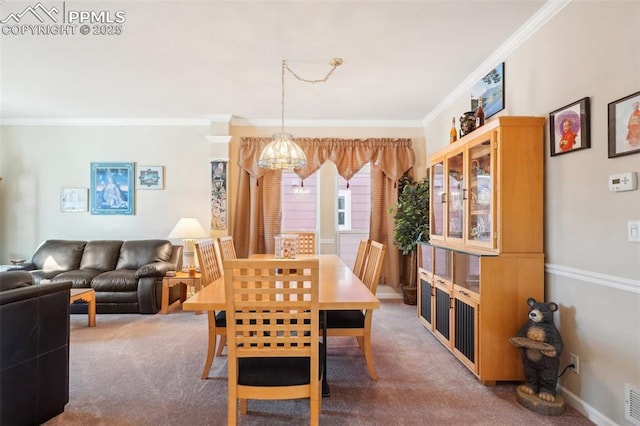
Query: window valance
<point>394,156</point>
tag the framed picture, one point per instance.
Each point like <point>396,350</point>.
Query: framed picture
<point>74,199</point>
<point>150,177</point>
<point>219,194</point>
<point>624,126</point>
<point>569,128</point>
<point>491,89</point>
<point>112,188</point>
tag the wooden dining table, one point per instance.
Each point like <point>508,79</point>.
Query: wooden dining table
<point>340,289</point>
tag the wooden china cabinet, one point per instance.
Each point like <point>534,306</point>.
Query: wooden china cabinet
<point>485,256</point>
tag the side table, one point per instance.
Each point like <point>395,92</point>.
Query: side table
<point>89,296</point>
<point>183,279</point>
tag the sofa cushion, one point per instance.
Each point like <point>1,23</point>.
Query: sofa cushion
<point>40,276</point>
<point>80,278</point>
<point>119,280</point>
<point>137,253</point>
<point>15,279</point>
<point>101,255</point>
<point>58,255</point>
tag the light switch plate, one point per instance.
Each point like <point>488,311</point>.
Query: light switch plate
<point>634,231</point>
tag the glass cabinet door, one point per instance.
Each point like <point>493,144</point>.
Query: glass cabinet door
<point>437,200</point>
<point>455,201</point>
<point>466,276</point>
<point>426,258</point>
<point>480,195</point>
<point>442,264</point>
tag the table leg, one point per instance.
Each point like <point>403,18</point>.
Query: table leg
<point>164,305</point>
<point>325,385</point>
<point>91,309</point>
<point>197,284</point>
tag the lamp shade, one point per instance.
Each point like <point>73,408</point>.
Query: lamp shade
<point>282,153</point>
<point>188,228</point>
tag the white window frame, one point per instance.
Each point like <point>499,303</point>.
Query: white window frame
<point>346,195</point>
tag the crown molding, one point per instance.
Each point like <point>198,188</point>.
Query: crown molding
<point>528,29</point>
<point>327,123</point>
<point>218,139</point>
<point>182,122</point>
<point>188,122</point>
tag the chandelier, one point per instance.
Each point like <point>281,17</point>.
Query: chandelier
<point>282,153</point>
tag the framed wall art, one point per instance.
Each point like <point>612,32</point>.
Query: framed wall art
<point>150,177</point>
<point>219,194</point>
<point>112,188</point>
<point>624,126</point>
<point>569,128</point>
<point>74,199</point>
<point>491,88</point>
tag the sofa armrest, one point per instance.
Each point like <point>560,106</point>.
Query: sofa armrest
<point>155,269</point>
<point>18,267</point>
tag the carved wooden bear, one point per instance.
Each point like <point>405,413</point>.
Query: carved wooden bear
<point>541,365</point>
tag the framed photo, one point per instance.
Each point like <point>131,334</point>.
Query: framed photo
<point>219,194</point>
<point>624,126</point>
<point>74,199</point>
<point>112,190</point>
<point>150,177</point>
<point>569,128</point>
<point>491,88</point>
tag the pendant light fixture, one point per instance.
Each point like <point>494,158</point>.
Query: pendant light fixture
<point>282,153</point>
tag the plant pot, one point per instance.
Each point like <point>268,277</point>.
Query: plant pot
<point>409,295</point>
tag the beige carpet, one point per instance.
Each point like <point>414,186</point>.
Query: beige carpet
<point>145,370</point>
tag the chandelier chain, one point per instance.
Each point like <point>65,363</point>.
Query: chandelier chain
<point>335,63</point>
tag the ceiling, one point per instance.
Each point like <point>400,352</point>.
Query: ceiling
<point>203,59</point>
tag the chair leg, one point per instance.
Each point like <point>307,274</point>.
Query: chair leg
<point>314,407</point>
<point>211,345</point>
<point>243,406</point>
<point>232,411</point>
<point>368,356</point>
<point>223,342</point>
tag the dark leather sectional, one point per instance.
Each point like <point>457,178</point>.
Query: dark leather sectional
<point>34,349</point>
<point>126,275</point>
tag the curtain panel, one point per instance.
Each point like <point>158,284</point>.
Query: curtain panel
<point>258,211</point>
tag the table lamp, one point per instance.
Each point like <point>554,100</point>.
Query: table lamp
<point>189,229</point>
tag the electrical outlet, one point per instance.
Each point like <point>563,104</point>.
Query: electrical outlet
<point>573,359</point>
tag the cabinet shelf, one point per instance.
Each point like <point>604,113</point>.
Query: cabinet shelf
<point>485,255</point>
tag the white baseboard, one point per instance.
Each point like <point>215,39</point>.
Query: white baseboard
<point>585,409</point>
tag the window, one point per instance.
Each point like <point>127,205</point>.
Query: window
<point>344,209</point>
<point>351,207</point>
<point>298,202</point>
<point>354,202</point>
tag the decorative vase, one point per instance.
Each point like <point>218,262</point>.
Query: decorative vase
<point>467,123</point>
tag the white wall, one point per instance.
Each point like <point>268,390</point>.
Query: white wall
<point>589,49</point>
<point>36,162</point>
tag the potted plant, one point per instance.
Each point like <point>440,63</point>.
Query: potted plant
<point>411,216</point>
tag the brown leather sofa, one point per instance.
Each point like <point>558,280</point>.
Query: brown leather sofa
<point>34,349</point>
<point>126,275</point>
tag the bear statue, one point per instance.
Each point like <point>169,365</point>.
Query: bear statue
<point>541,346</point>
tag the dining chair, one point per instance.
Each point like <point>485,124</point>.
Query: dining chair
<point>355,322</point>
<point>306,242</point>
<point>227,248</point>
<point>361,257</point>
<point>273,332</point>
<point>210,271</point>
